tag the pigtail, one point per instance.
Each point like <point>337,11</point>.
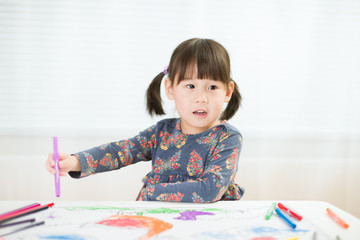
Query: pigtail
<point>153,96</point>
<point>233,105</point>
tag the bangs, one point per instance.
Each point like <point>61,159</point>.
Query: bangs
<point>201,59</point>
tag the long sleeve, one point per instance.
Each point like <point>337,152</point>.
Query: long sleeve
<point>115,155</point>
<point>217,177</point>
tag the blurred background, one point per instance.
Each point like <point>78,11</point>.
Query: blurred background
<point>79,70</point>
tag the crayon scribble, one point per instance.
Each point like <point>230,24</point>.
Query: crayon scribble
<point>265,230</point>
<point>79,208</point>
<point>163,210</point>
<point>263,238</point>
<point>191,215</point>
<point>62,237</point>
<point>155,226</point>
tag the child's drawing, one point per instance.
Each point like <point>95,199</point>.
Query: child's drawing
<point>78,222</point>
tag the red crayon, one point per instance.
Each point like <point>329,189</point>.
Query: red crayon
<point>289,211</point>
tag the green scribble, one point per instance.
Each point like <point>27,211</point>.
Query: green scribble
<point>141,212</point>
<point>80,208</point>
<point>163,210</point>
<point>213,210</point>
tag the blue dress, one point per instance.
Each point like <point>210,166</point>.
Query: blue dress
<point>185,167</point>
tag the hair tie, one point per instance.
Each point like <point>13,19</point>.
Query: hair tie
<point>166,70</point>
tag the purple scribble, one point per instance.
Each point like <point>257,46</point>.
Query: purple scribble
<point>191,215</point>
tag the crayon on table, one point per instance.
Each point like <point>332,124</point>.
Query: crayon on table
<point>20,209</point>
<point>270,211</point>
<point>336,218</point>
<point>293,238</point>
<point>17,223</point>
<point>285,218</point>
<point>23,228</point>
<point>291,212</point>
<point>314,237</point>
<point>30,211</point>
<point>56,159</point>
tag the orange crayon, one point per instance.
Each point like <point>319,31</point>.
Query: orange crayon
<point>336,218</point>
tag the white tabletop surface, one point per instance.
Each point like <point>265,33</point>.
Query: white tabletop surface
<point>313,211</point>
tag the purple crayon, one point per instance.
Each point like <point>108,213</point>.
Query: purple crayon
<point>57,174</point>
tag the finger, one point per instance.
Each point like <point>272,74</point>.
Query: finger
<point>62,160</point>
<point>48,163</point>
<point>64,167</point>
<point>62,172</point>
<point>50,168</point>
<point>51,160</point>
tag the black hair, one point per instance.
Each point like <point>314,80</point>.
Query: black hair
<point>212,61</point>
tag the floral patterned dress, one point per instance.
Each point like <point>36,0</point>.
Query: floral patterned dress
<point>185,167</point>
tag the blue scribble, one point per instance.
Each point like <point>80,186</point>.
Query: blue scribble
<point>261,230</point>
<point>63,237</point>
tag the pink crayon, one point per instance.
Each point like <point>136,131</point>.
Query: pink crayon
<point>19,210</point>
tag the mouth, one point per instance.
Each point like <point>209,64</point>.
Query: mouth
<point>200,113</point>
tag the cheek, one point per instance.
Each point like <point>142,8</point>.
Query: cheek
<point>219,104</point>
<point>219,101</point>
<point>182,101</point>
<point>183,96</point>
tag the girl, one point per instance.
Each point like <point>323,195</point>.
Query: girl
<point>195,157</point>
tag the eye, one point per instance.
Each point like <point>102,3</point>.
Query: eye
<point>212,87</point>
<point>190,86</point>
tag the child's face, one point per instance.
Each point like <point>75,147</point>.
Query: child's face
<point>199,102</point>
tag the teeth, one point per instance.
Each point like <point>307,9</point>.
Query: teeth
<point>200,112</point>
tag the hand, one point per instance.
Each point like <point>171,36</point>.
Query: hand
<point>67,163</point>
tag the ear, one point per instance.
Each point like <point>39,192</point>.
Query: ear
<point>169,89</point>
<point>229,91</point>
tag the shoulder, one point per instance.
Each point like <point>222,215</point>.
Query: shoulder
<point>228,131</point>
<point>230,128</point>
<point>167,124</point>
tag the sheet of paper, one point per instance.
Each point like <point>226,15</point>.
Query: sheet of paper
<point>161,222</point>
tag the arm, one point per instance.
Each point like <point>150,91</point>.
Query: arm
<point>115,155</point>
<point>219,173</point>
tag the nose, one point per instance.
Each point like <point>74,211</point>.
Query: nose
<point>201,97</point>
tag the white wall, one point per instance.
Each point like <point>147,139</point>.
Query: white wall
<point>79,70</point>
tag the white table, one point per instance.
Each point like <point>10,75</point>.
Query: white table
<point>312,211</point>
<point>316,212</point>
